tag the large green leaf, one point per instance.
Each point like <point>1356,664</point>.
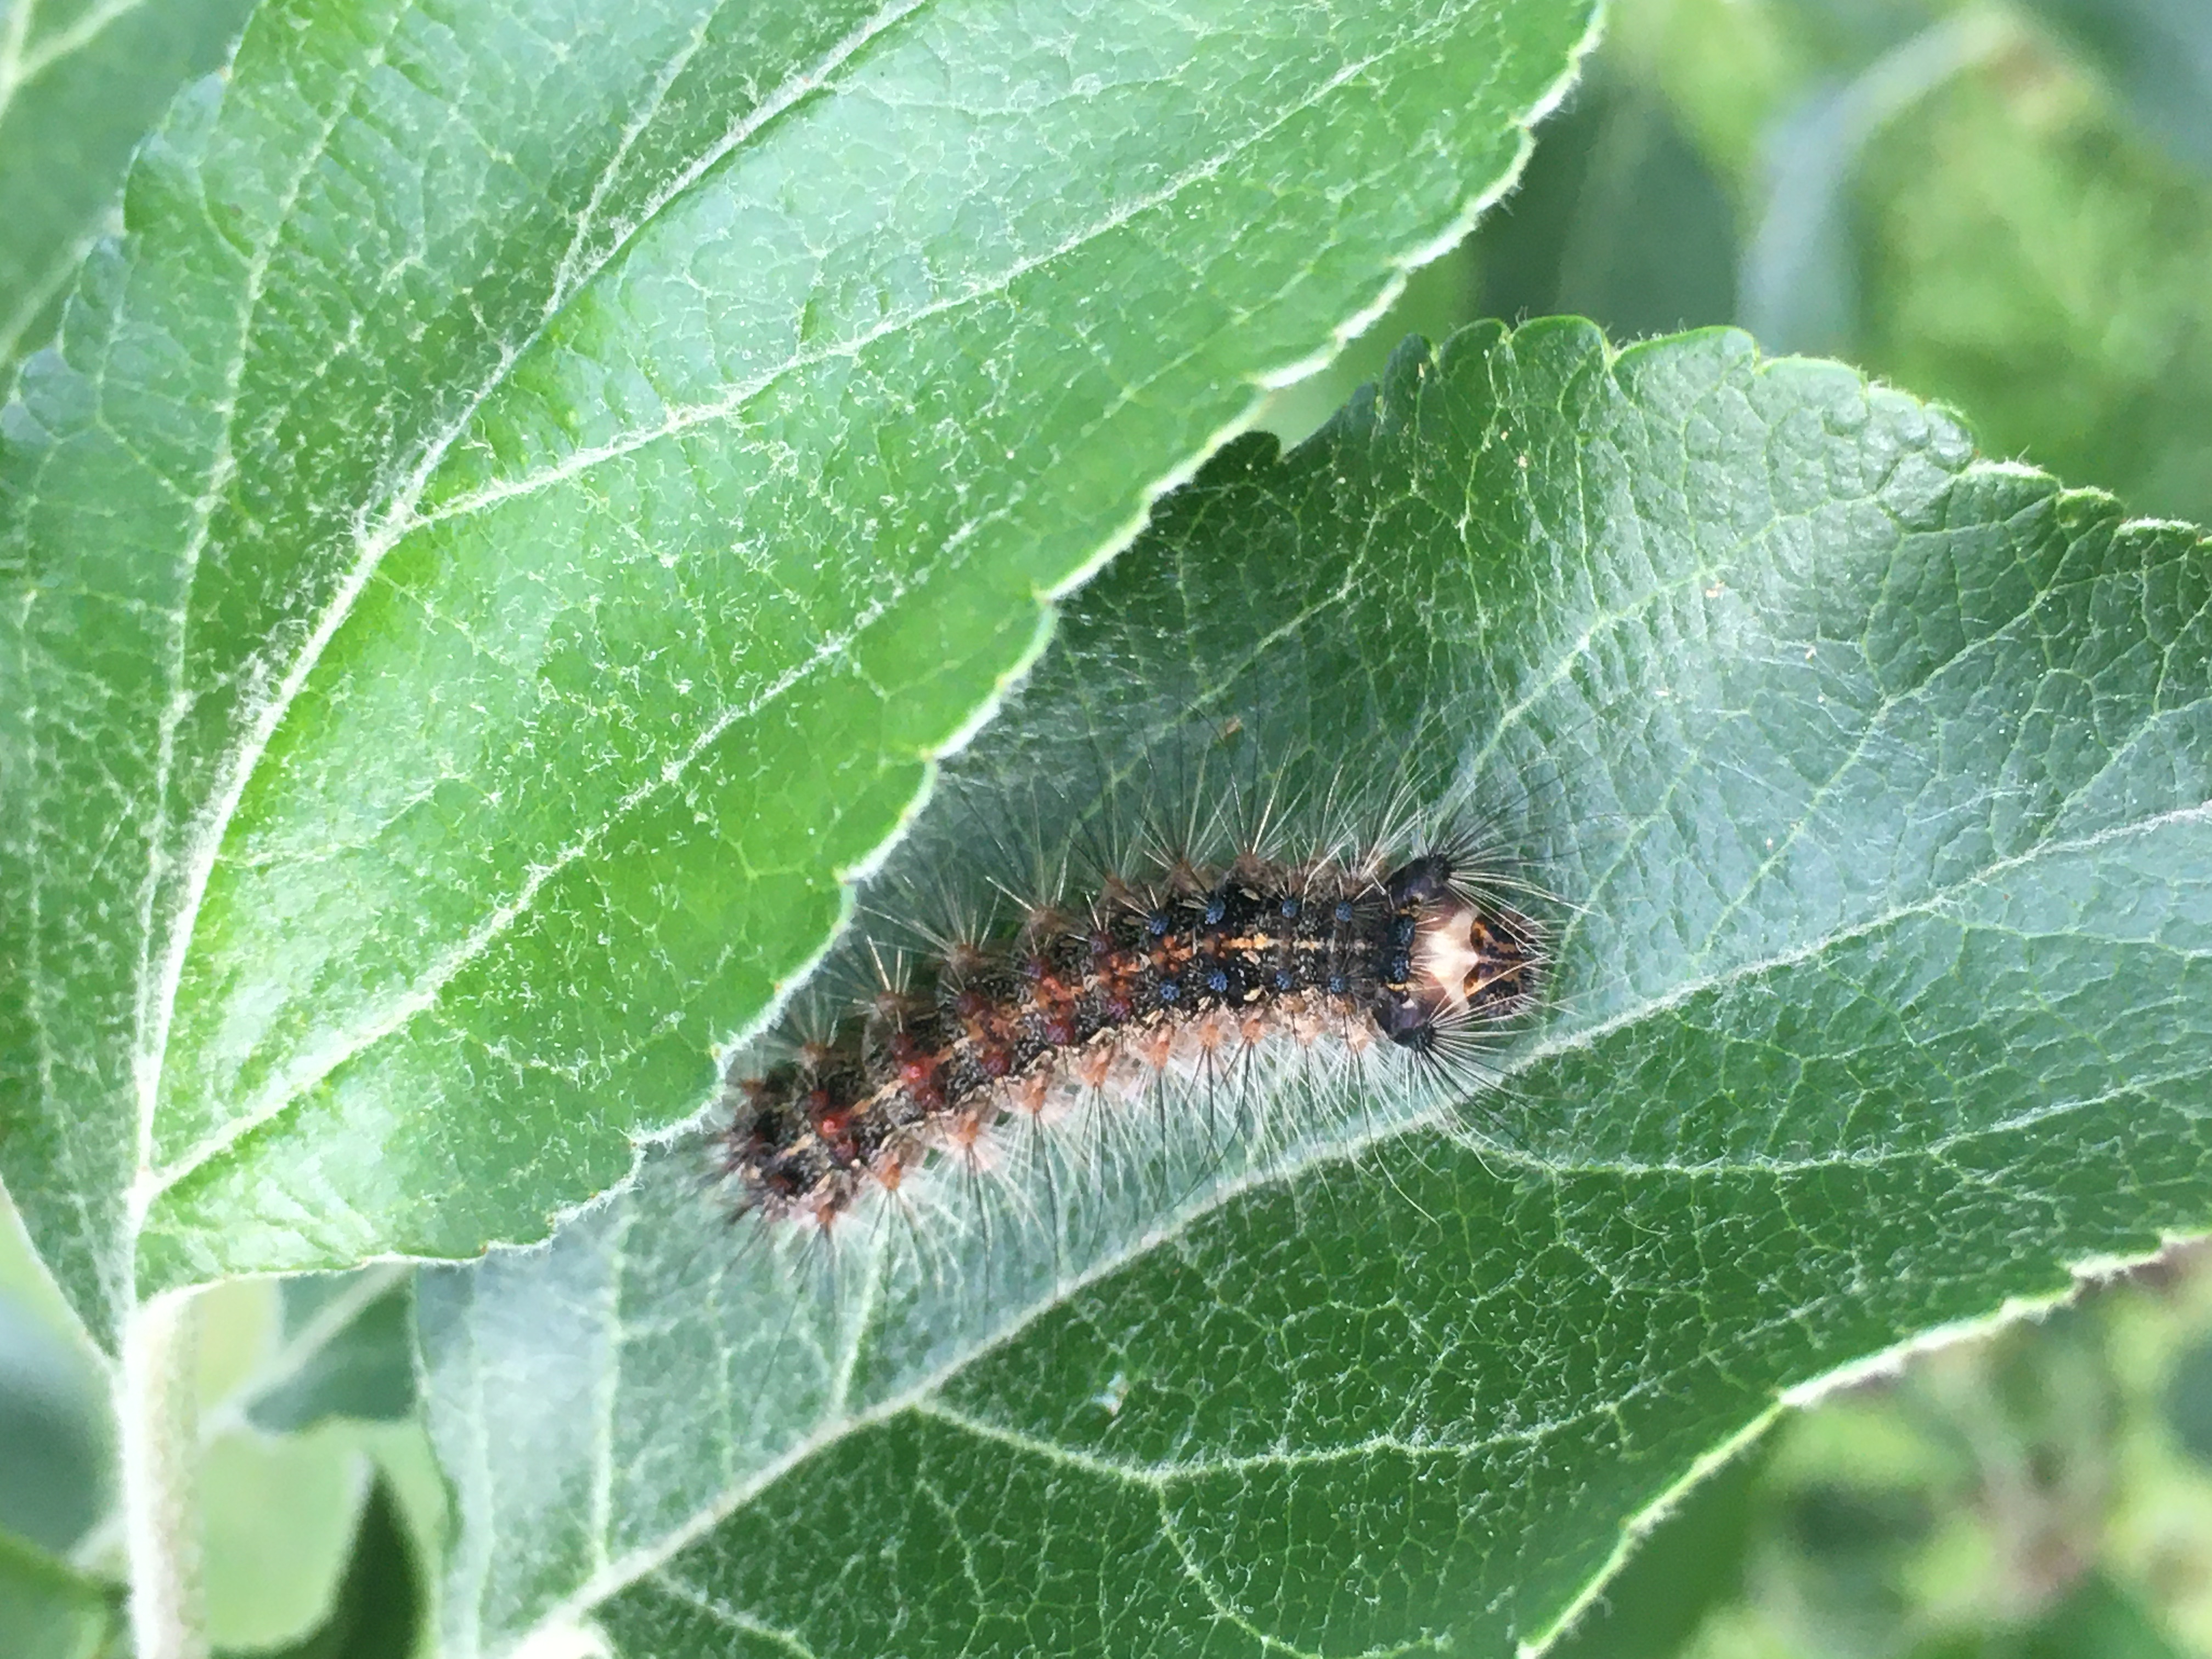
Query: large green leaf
<point>1871,781</point>
<point>80,81</point>
<point>515,519</point>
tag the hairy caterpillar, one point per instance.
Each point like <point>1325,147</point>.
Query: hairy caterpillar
<point>1180,975</point>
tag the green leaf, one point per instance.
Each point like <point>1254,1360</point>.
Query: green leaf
<point>80,83</point>
<point>55,1453</point>
<point>348,1351</point>
<point>378,1606</point>
<point>1871,780</point>
<point>46,1611</point>
<point>516,520</point>
<point>1692,1557</point>
<point>1953,198</point>
<point>277,1516</point>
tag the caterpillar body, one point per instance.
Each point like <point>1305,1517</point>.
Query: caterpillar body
<point>1397,950</point>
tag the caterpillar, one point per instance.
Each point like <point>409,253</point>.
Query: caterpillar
<point>1102,992</point>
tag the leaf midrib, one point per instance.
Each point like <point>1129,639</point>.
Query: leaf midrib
<point>154,1015</point>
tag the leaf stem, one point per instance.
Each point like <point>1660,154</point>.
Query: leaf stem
<point>159,1409</point>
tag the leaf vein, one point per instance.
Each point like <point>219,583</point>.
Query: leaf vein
<point>720,1610</point>
<point>682,418</point>
<point>424,993</point>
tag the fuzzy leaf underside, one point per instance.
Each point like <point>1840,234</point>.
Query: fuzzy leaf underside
<point>510,525</point>
<point>1871,782</point>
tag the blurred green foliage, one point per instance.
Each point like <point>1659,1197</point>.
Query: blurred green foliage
<point>320,1497</point>
<point>2006,208</point>
<point>2040,1492</point>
